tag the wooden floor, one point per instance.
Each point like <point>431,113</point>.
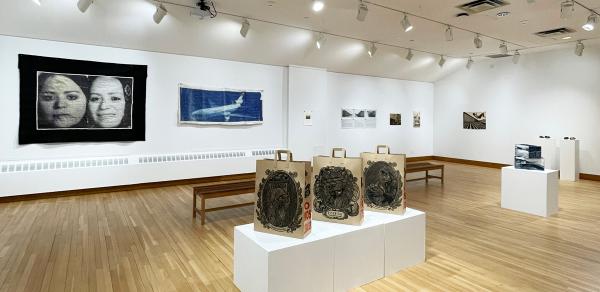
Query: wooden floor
<point>146,241</point>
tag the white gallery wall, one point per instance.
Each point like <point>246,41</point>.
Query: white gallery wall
<point>325,94</point>
<point>163,134</point>
<point>554,93</point>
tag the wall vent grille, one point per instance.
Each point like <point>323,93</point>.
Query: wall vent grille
<point>56,164</point>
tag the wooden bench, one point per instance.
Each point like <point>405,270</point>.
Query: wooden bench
<point>426,167</point>
<point>218,190</point>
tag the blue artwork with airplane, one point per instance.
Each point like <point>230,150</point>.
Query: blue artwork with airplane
<point>202,106</point>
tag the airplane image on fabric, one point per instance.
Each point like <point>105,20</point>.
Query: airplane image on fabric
<point>229,107</point>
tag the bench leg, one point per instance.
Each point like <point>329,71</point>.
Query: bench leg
<point>442,176</point>
<point>427,177</point>
<point>194,206</point>
<point>202,210</point>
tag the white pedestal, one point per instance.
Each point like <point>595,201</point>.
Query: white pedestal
<point>334,257</point>
<point>569,160</point>
<point>530,191</point>
<point>549,152</point>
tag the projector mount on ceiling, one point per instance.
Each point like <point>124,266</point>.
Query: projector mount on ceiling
<point>205,8</point>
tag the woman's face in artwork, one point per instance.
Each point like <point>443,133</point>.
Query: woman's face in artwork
<point>107,102</point>
<point>61,102</point>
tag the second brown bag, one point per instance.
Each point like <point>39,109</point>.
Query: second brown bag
<point>384,181</point>
<point>336,185</point>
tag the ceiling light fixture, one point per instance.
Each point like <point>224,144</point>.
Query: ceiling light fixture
<point>477,42</point>
<point>442,61</point>
<point>567,8</point>
<point>160,13</point>
<point>591,22</point>
<point>470,63</point>
<point>83,5</point>
<point>449,35</point>
<point>362,11</point>
<point>320,40</point>
<point>318,5</point>
<point>516,57</point>
<point>409,55</point>
<point>567,38</point>
<point>503,48</point>
<point>38,2</point>
<point>579,48</point>
<point>406,24</point>
<point>372,50</point>
<point>245,27</point>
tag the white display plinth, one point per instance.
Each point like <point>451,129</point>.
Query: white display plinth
<point>549,152</point>
<point>569,160</point>
<point>334,257</point>
<point>530,191</point>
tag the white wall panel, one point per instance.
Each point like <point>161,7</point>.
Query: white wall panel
<point>552,93</point>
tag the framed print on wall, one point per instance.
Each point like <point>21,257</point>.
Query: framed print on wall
<point>64,100</point>
<point>219,106</point>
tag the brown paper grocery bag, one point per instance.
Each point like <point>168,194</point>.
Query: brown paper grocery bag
<point>282,200</point>
<point>336,185</point>
<point>384,180</point>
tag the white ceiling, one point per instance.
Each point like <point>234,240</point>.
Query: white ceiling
<point>128,24</point>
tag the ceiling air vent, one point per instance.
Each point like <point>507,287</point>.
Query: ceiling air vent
<point>555,32</point>
<point>477,6</point>
<point>496,56</point>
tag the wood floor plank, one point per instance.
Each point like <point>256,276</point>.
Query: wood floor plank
<point>146,240</point>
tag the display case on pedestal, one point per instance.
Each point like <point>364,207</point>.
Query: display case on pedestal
<point>569,159</point>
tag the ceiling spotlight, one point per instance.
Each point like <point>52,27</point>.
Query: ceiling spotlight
<point>449,36</point>
<point>318,5</point>
<point>406,24</point>
<point>160,13</point>
<point>478,42</point>
<point>362,11</point>
<point>567,8</point>
<point>83,5</point>
<point>409,55</point>
<point>579,48</point>
<point>320,41</point>
<point>591,22</point>
<point>470,63</point>
<point>516,57</point>
<point>38,2</point>
<point>503,48</point>
<point>442,61</point>
<point>372,50</point>
<point>245,27</point>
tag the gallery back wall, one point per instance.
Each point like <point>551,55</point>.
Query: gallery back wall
<point>553,93</point>
<point>163,134</point>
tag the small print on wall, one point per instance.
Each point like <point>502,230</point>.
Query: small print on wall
<point>474,120</point>
<point>63,100</point>
<point>219,107</point>
<point>308,118</point>
<point>395,119</point>
<point>416,119</point>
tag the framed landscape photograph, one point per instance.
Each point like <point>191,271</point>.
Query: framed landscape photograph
<point>474,120</point>
<point>219,106</point>
<point>63,100</point>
